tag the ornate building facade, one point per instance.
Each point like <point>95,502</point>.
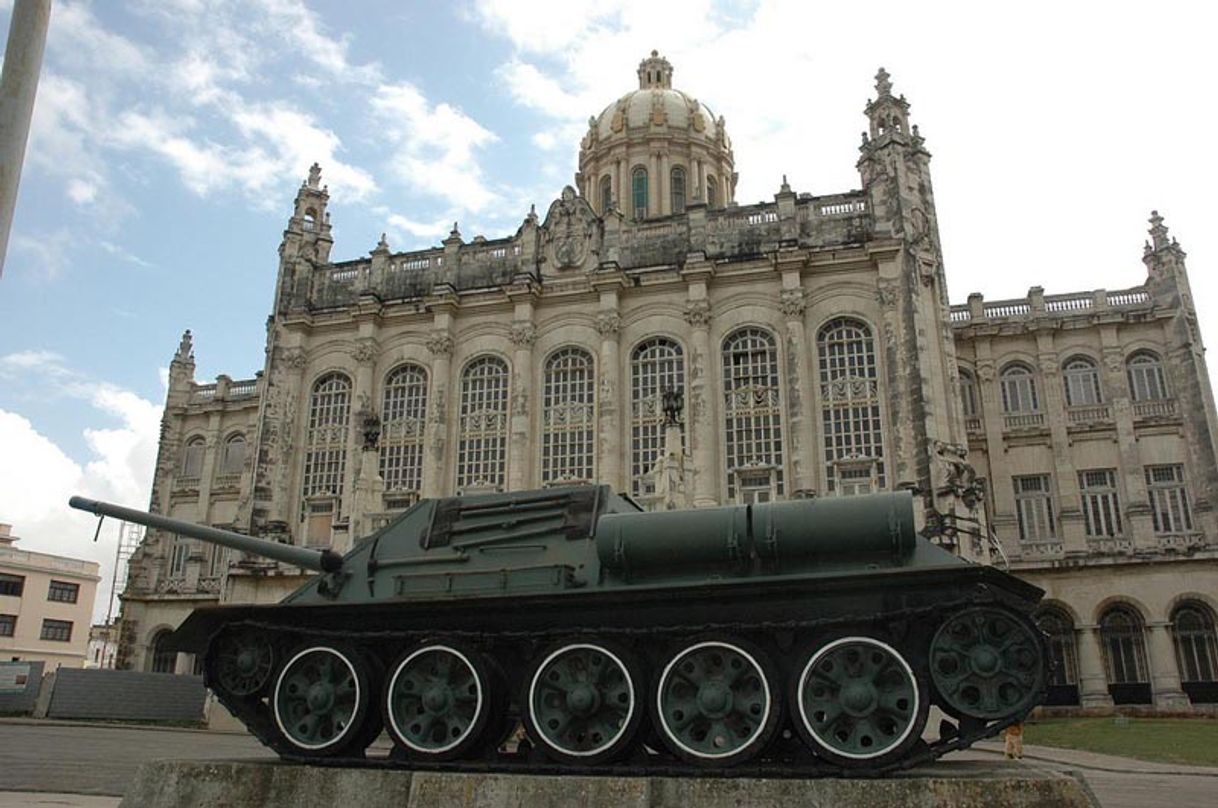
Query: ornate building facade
<point>812,342</point>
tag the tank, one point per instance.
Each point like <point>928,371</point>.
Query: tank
<point>568,630</point>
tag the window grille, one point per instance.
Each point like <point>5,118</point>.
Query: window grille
<point>606,194</point>
<point>1146,380</point>
<point>1082,380</point>
<point>8,625</point>
<point>178,557</point>
<point>1168,499</point>
<point>482,452</point>
<point>568,417</point>
<point>192,458</point>
<point>56,630</point>
<point>1196,645</point>
<point>326,440</point>
<point>1124,646</point>
<point>850,401</point>
<point>1019,390</point>
<point>752,405</point>
<point>638,189</point>
<point>12,584</point>
<point>63,592</point>
<point>217,560</point>
<point>403,427</point>
<point>1062,649</point>
<point>656,365</point>
<point>233,460</point>
<point>712,193</point>
<point>968,394</point>
<point>1101,508</point>
<point>677,187</point>
<point>1034,507</point>
<point>162,660</point>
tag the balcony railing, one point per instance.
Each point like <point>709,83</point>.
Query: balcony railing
<point>1110,545</point>
<point>1035,550</point>
<point>972,424</point>
<point>1155,408</point>
<point>1097,413</point>
<point>227,481</point>
<point>1025,420</point>
<point>1179,542</point>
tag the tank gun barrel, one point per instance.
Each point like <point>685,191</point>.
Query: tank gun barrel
<point>319,560</point>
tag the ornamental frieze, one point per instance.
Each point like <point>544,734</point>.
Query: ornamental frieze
<point>570,229</point>
<point>440,343</point>
<point>608,323</point>
<point>295,358</point>
<point>366,351</point>
<point>698,313</point>
<point>793,303</point>
<point>524,334</point>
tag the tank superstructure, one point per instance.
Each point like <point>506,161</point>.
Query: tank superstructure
<point>796,637</point>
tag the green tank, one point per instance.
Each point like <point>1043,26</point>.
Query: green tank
<point>567,630</point>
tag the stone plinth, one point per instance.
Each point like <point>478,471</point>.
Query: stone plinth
<point>228,784</point>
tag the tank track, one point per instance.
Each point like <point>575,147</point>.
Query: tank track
<point>786,757</point>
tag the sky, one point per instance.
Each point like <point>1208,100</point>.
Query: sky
<point>169,137</point>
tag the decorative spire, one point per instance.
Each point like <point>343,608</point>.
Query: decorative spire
<point>1158,232</point>
<point>786,187</point>
<point>186,350</point>
<point>655,73</point>
<point>314,180</point>
<point>882,84</point>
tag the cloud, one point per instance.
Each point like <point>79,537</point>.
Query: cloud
<point>43,255</point>
<point>123,253</point>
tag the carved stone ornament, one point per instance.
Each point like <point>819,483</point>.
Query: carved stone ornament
<point>524,334</point>
<point>608,323</point>
<point>365,351</point>
<point>440,343</point>
<point>793,303</point>
<point>569,226</point>
<point>698,313</point>
<point>295,358</point>
<point>886,293</point>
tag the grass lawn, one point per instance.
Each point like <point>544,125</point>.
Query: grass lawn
<point>1168,740</point>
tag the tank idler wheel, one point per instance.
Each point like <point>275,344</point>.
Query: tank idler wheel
<point>321,698</point>
<point>582,702</point>
<point>715,703</point>
<point>438,701</point>
<point>240,662</point>
<point>987,663</point>
<point>858,702</point>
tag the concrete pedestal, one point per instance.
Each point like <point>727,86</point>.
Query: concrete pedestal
<point>228,784</point>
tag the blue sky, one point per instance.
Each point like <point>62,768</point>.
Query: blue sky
<point>170,136</point>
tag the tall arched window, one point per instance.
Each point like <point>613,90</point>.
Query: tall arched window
<point>1146,380</point>
<point>403,420</point>
<point>712,192</point>
<point>1019,390</point>
<point>752,412</point>
<point>1063,681</point>
<point>482,453</point>
<point>850,407</point>
<point>677,189</point>
<point>638,192</point>
<point>1124,643</point>
<point>160,658</point>
<point>232,461</point>
<point>192,458</point>
<point>606,194</point>
<point>568,417</point>
<point>326,440</point>
<point>968,394</point>
<point>1196,651</point>
<point>1082,380</point>
<point>655,366</point>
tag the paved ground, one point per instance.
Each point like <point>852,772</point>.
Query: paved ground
<point>61,760</point>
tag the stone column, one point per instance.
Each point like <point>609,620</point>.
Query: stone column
<point>702,428</point>
<point>1071,529</point>
<point>665,189</point>
<point>1092,679</point>
<point>653,186</point>
<point>362,405</point>
<point>436,473</point>
<point>520,450</point>
<point>1135,501</point>
<point>801,434</point>
<point>1164,671</point>
<point>608,403</point>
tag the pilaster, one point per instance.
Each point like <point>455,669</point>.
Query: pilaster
<point>520,455</point>
<point>702,425</point>
<point>609,409</point>
<point>1092,679</point>
<point>1164,672</point>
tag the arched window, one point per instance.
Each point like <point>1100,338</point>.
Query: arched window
<point>1196,651</point>
<point>752,412</point>
<point>310,220</point>
<point>655,366</point>
<point>638,192</point>
<point>1082,379</point>
<point>606,194</point>
<point>326,439</point>
<point>1146,380</point>
<point>568,417</point>
<point>850,407</point>
<point>712,192</point>
<point>192,458</point>
<point>482,452</point>
<point>1063,681</point>
<point>968,394</point>
<point>1124,643</point>
<point>161,659</point>
<point>403,421</point>
<point>677,189</point>
<point>1019,390</point>
<point>232,462</point>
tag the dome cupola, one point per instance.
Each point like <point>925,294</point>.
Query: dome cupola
<point>655,151</point>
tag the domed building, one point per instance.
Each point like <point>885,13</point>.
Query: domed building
<point>807,347</point>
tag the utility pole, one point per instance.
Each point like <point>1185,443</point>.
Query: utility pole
<point>27,38</point>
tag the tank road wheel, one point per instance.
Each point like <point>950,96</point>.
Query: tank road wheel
<point>582,703</point>
<point>321,699</point>
<point>438,701</point>
<point>987,663</point>
<point>859,703</point>
<point>240,662</point>
<point>715,704</point>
